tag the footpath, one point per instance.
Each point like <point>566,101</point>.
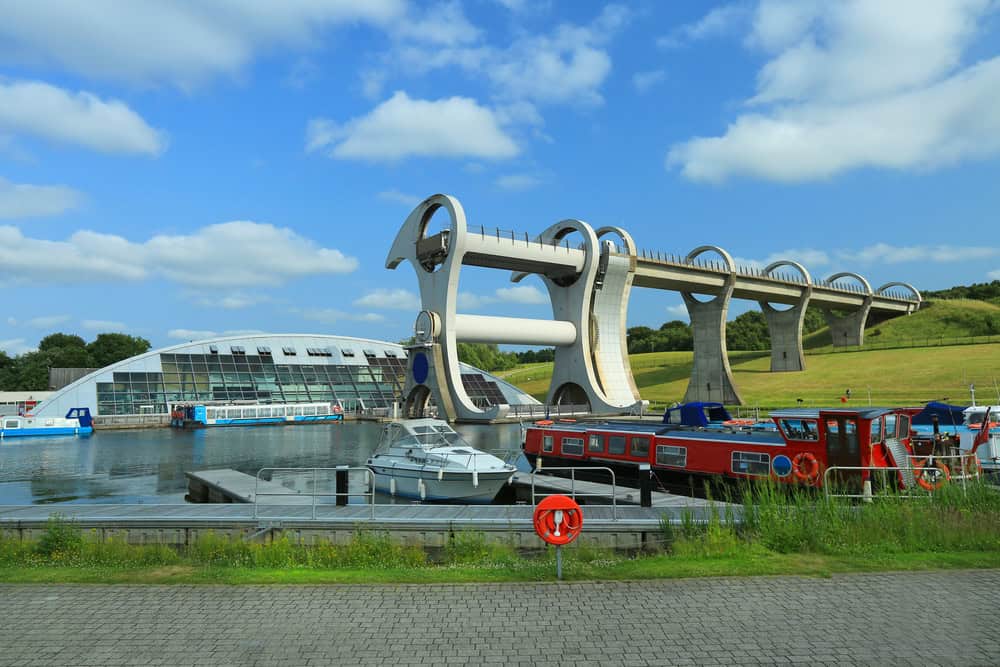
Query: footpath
<point>922,618</point>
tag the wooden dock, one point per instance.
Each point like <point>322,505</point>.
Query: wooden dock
<point>232,486</point>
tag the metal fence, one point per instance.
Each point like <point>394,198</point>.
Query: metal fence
<point>314,478</point>
<point>960,470</point>
<point>572,487</point>
<point>547,411</point>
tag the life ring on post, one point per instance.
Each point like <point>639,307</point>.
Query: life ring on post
<point>931,475</point>
<point>805,466</point>
<point>558,520</point>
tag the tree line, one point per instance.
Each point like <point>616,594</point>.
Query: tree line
<point>30,371</point>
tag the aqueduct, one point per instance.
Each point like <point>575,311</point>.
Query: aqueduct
<point>589,284</point>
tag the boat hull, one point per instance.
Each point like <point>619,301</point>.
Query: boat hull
<point>42,432</point>
<point>453,486</point>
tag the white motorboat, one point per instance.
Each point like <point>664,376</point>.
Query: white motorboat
<point>427,460</point>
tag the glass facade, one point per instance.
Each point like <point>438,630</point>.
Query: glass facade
<point>252,377</point>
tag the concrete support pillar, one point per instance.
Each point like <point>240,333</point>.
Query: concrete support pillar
<point>848,330</point>
<point>711,376</point>
<point>785,326</point>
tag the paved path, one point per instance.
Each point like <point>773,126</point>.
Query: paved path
<point>883,619</point>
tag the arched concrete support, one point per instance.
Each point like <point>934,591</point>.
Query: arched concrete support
<point>785,326</point>
<point>849,330</point>
<point>711,376</point>
<point>916,293</point>
<point>595,300</point>
<point>609,318</point>
<point>437,261</point>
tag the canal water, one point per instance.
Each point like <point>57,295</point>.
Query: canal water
<point>148,466</point>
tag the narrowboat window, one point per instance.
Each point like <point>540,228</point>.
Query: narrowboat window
<point>667,455</point>
<point>572,446</point>
<point>832,428</point>
<point>546,443</point>
<point>799,429</point>
<point>904,426</point>
<point>298,412</point>
<point>233,414</point>
<point>278,412</point>
<point>640,446</point>
<point>596,443</point>
<point>289,351</point>
<point>249,413</point>
<point>616,444</point>
<point>890,427</point>
<point>10,423</point>
<point>876,430</point>
<point>751,463</point>
<point>264,412</point>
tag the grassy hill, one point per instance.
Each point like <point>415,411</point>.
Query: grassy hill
<point>904,375</point>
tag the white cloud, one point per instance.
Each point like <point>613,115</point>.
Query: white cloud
<point>31,201</point>
<point>147,42</point>
<point>443,24</point>
<point>643,81</point>
<point>518,182</point>
<point>719,21</point>
<point>522,294</point>
<point>857,84</point>
<point>678,311</point>
<point>527,294</point>
<point>222,255</point>
<point>191,334</point>
<point>403,127</point>
<point>399,197</point>
<point>884,253</point>
<point>233,301</point>
<point>372,82</point>
<point>332,316</point>
<point>103,325</point>
<point>395,299</point>
<point>994,275</point>
<point>81,119</point>
<point>14,346</point>
<point>47,321</point>
<point>566,66</point>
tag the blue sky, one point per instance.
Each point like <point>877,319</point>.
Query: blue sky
<point>178,169</point>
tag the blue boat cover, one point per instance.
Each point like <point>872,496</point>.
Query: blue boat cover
<point>696,413</point>
<point>948,415</point>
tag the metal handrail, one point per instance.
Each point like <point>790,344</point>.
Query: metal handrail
<point>962,476</point>
<point>369,475</point>
<point>572,486</point>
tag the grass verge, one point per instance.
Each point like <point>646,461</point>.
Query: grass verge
<point>782,532</point>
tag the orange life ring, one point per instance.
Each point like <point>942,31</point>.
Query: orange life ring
<point>921,470</point>
<point>739,422</point>
<point>544,422</point>
<point>805,466</point>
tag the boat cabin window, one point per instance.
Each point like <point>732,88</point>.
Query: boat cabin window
<point>596,443</point>
<point>11,423</point>
<point>903,427</point>
<point>667,455</point>
<point>876,430</point>
<point>890,427</point>
<point>616,444</point>
<point>210,413</point>
<point>640,446</point>
<point>249,413</point>
<point>546,443</point>
<point>572,446</point>
<point>799,429</point>
<point>263,412</point>
<point>751,463</point>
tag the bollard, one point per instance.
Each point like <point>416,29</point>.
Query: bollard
<point>341,486</point>
<point>645,485</point>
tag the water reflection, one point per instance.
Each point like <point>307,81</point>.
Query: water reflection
<point>148,466</point>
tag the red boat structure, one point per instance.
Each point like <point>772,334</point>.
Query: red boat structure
<point>798,447</point>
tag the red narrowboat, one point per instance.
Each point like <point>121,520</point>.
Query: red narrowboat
<point>799,448</point>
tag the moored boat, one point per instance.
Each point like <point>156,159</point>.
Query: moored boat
<point>76,422</point>
<point>800,448</point>
<point>197,415</point>
<point>426,459</point>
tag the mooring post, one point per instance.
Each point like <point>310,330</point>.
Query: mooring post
<point>341,486</point>
<point>645,485</point>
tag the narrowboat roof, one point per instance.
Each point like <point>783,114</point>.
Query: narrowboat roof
<point>814,413</point>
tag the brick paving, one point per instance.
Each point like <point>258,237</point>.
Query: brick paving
<point>946,618</point>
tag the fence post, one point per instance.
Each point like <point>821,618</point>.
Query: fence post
<point>645,486</point>
<point>341,486</point>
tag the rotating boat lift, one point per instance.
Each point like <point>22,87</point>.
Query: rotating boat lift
<point>589,286</point>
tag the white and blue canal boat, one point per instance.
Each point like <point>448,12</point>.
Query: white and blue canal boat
<point>200,415</point>
<point>76,422</point>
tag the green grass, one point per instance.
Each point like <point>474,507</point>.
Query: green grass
<point>783,532</point>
